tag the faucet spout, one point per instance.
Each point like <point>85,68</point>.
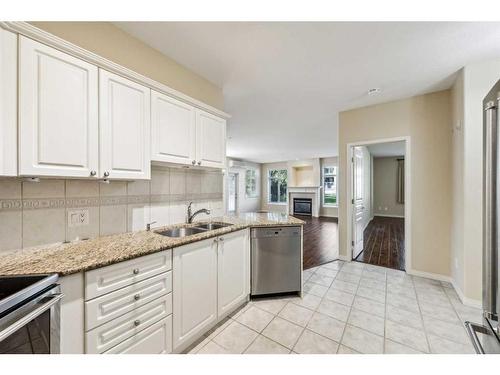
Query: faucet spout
<point>191,216</point>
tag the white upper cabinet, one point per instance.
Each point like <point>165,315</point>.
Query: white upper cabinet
<point>58,119</point>
<point>125,125</point>
<point>8,103</point>
<point>210,140</point>
<point>233,274</point>
<point>173,130</point>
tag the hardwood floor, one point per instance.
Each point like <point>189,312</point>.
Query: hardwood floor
<point>320,240</point>
<point>384,243</point>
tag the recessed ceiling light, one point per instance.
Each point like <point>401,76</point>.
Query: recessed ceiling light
<point>374,91</point>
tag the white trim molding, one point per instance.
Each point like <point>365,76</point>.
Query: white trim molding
<point>466,300</point>
<point>51,40</point>
<point>385,215</point>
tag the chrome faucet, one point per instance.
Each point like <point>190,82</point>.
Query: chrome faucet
<point>191,216</point>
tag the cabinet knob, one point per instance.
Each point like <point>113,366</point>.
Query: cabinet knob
<point>137,297</point>
<point>215,240</point>
<point>221,239</point>
<point>93,173</point>
<point>137,322</point>
<point>136,271</point>
<point>106,174</point>
<point>193,162</point>
<point>199,163</point>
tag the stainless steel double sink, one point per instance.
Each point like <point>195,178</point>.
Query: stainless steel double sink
<point>189,231</point>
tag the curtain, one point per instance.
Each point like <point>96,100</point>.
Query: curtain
<point>401,181</point>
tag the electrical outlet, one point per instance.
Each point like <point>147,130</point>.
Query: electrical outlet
<point>78,218</point>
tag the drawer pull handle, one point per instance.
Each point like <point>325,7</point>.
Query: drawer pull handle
<point>137,322</point>
<point>137,297</point>
<point>136,271</point>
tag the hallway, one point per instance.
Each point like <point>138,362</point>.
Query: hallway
<point>384,243</point>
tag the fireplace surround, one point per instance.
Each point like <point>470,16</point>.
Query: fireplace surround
<point>302,206</point>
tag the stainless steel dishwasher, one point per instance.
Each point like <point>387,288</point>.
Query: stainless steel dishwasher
<point>276,260</point>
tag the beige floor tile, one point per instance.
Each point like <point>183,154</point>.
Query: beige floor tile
<point>447,330</point>
<point>263,345</point>
<point>296,314</point>
<point>392,347</point>
<point>219,327</point>
<point>401,302</point>
<point>272,305</point>
<point>362,341</point>
<point>334,310</point>
<point>414,338</point>
<point>255,318</point>
<point>349,277</point>
<point>326,326</point>
<point>370,293</point>
<point>366,321</point>
<point>235,338</point>
<point>344,286</point>
<point>213,348</point>
<point>353,268</point>
<point>323,271</point>
<point>321,280</point>
<point>339,296</point>
<point>315,289</point>
<point>346,350</point>
<point>369,306</point>
<point>312,343</point>
<point>404,317</point>
<point>332,266</point>
<point>447,314</point>
<point>283,332</point>
<point>440,345</point>
<point>371,283</point>
<point>309,301</point>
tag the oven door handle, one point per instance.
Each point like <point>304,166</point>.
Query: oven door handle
<point>471,330</point>
<point>26,318</point>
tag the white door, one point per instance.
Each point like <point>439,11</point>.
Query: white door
<point>210,140</point>
<point>58,120</point>
<point>125,125</point>
<point>173,126</point>
<point>8,103</point>
<point>233,271</point>
<point>358,202</point>
<point>232,196</point>
<point>194,290</point>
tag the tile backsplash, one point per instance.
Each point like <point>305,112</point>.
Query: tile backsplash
<point>33,214</point>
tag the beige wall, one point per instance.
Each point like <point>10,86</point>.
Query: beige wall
<point>248,204</point>
<point>107,40</point>
<point>264,187</point>
<point>385,177</point>
<point>427,120</point>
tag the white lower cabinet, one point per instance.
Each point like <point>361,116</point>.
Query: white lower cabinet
<point>233,271</point>
<point>156,339</point>
<point>194,290</point>
<point>210,279</point>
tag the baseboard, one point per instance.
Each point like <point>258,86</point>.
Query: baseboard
<point>334,216</point>
<point>429,275</point>
<point>344,258</point>
<point>466,300</point>
<point>387,215</point>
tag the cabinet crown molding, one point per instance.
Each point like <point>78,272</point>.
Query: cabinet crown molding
<point>30,31</point>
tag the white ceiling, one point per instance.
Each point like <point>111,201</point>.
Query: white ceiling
<point>380,150</point>
<point>284,83</point>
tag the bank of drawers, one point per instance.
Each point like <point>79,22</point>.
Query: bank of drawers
<point>128,306</point>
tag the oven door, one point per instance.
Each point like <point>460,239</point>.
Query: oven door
<point>33,328</point>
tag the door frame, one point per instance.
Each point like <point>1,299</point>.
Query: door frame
<point>408,202</point>
<point>236,191</point>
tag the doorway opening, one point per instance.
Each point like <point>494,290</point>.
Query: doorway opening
<point>232,195</point>
<point>379,203</point>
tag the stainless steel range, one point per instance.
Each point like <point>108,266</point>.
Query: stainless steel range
<point>29,314</point>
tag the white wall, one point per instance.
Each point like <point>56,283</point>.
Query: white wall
<point>471,87</point>
<point>247,204</point>
<point>385,177</point>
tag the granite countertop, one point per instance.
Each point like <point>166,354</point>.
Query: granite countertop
<point>68,258</point>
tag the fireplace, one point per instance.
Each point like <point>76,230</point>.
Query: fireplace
<point>302,206</point>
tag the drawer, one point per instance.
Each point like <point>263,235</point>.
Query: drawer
<point>156,339</point>
<point>107,279</point>
<point>109,306</point>
<point>117,330</point>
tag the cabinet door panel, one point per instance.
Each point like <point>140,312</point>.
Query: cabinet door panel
<point>233,271</point>
<point>125,124</point>
<point>58,123</point>
<point>173,130</point>
<point>210,140</point>
<point>194,290</point>
<point>8,103</point>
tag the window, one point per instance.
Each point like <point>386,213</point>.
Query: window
<point>330,186</point>
<point>277,186</point>
<point>250,183</point>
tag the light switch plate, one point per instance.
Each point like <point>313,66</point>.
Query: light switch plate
<point>78,218</point>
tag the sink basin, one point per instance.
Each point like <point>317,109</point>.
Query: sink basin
<point>181,232</point>
<point>212,226</point>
